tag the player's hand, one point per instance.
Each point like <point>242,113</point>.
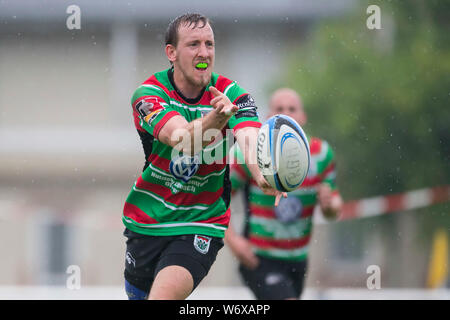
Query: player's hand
<point>267,189</point>
<point>221,104</point>
<point>242,249</point>
<point>324,196</point>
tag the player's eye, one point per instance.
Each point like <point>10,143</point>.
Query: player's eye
<point>291,109</point>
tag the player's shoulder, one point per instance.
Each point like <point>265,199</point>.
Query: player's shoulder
<point>156,85</point>
<point>221,82</point>
<point>318,146</point>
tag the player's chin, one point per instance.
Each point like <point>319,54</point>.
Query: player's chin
<point>204,79</point>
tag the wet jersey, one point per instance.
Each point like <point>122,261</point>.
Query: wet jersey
<point>176,193</point>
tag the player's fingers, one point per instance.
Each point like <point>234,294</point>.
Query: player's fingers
<point>215,100</point>
<point>230,111</point>
<point>277,199</point>
<point>214,91</point>
<point>220,106</point>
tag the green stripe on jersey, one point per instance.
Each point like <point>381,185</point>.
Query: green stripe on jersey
<point>177,177</point>
<point>176,228</point>
<point>274,229</point>
<point>288,255</point>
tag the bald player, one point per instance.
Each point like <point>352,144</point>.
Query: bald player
<point>273,248</point>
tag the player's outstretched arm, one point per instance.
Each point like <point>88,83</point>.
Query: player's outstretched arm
<point>188,136</point>
<point>247,139</point>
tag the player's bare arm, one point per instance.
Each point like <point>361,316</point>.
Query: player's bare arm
<point>241,248</point>
<point>186,136</point>
<point>330,203</point>
<point>247,139</point>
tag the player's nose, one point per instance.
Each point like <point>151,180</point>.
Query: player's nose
<point>203,51</point>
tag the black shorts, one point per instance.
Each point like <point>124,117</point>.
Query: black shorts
<point>275,279</point>
<point>146,255</point>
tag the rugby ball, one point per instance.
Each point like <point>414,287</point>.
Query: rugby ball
<point>283,153</point>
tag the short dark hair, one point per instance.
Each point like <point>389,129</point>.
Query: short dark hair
<point>193,19</point>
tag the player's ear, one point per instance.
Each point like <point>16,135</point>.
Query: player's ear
<point>171,53</point>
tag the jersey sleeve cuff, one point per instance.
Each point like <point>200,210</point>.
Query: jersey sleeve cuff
<point>244,124</point>
<point>162,122</point>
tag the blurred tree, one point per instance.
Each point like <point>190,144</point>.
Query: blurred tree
<point>380,97</point>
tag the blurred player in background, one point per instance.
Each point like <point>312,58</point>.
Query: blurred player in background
<point>273,250</point>
<point>178,210</point>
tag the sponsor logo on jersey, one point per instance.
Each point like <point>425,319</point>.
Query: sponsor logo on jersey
<point>247,107</point>
<point>289,209</point>
<point>201,243</point>
<point>151,116</point>
<point>145,106</point>
<point>184,167</point>
<point>246,101</point>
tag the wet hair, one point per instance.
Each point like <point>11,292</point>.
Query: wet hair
<point>190,19</point>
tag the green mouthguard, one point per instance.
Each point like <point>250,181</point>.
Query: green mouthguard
<point>202,65</point>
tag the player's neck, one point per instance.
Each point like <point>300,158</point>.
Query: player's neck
<point>188,90</point>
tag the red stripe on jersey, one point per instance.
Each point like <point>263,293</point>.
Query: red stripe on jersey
<point>206,98</point>
<point>163,121</point>
<point>154,81</point>
<point>180,198</point>
<point>244,94</point>
<point>309,182</point>
<point>268,243</point>
<point>222,83</point>
<point>254,124</point>
<point>315,145</point>
<point>222,220</point>
<point>219,137</point>
<point>133,212</point>
<point>307,212</point>
<point>137,122</point>
<point>158,101</point>
<point>239,169</point>
<point>328,169</point>
<point>269,212</point>
<point>204,169</point>
<point>265,212</point>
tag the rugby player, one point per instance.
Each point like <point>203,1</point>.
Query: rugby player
<point>273,249</point>
<point>178,210</point>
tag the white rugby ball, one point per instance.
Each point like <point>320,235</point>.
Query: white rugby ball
<point>283,153</point>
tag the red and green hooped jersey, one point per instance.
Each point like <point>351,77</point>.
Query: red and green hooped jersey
<point>178,194</point>
<point>284,232</point>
